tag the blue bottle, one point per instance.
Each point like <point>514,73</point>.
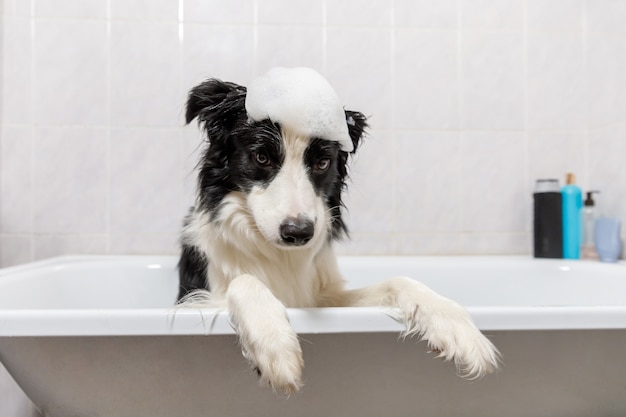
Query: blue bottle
<point>572,199</point>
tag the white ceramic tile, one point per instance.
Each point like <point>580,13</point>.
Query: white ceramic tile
<point>16,8</point>
<point>192,151</point>
<point>145,244</point>
<point>426,80</point>
<point>497,244</point>
<point>15,180</point>
<point>607,171</point>
<point>289,46</point>
<point>16,71</point>
<point>211,51</point>
<point>294,12</point>
<point>427,14</point>
<point>89,9</point>
<point>69,180</point>
<point>428,180</point>
<point>557,92</point>
<point>361,244</point>
<point>146,185</point>
<point>194,142</point>
<point>553,154</point>
<point>346,13</point>
<point>369,198</point>
<point>47,246</point>
<point>70,72</point>
<point>358,67</point>
<point>492,81</point>
<point>146,83</point>
<point>492,14</point>
<point>163,10</point>
<point>218,12</point>
<point>16,250</point>
<point>149,85</point>
<point>495,196</point>
<point>555,14</point>
<point>606,16</point>
<point>430,244</point>
<point>606,63</point>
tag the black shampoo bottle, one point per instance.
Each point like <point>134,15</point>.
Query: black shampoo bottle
<point>548,219</point>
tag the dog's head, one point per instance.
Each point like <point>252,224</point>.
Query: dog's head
<point>292,183</point>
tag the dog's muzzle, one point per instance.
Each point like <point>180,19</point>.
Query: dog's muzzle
<point>296,231</point>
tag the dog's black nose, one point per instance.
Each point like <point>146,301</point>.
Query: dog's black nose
<point>296,231</point>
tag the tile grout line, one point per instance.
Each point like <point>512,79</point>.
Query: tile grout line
<point>109,153</point>
<point>31,211</point>
<point>460,137</point>
<point>526,110</point>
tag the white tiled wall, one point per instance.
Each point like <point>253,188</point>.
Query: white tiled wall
<point>470,101</point>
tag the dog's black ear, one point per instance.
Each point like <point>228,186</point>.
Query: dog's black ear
<point>216,104</point>
<point>357,125</point>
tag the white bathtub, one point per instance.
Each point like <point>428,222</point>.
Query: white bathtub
<point>96,337</point>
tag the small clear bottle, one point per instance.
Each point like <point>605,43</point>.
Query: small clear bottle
<point>588,248</point>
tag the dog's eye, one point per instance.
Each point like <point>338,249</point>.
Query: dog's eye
<point>322,164</point>
<point>262,159</point>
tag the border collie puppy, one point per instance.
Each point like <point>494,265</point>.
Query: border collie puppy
<point>268,208</point>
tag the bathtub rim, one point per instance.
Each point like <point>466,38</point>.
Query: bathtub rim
<point>171,321</point>
<point>161,322</point>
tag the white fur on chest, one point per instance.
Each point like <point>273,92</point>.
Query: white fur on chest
<point>235,247</point>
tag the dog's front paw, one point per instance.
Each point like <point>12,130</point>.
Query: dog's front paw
<point>450,332</point>
<point>456,338</point>
<point>266,337</point>
<point>277,358</point>
<point>278,362</point>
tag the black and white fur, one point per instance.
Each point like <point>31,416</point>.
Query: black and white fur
<point>260,239</point>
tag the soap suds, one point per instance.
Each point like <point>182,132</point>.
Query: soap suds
<point>299,99</point>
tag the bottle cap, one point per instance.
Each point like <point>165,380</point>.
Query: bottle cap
<point>570,179</point>
<point>589,202</point>
<point>549,185</point>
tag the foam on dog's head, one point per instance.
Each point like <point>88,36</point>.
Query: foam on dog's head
<point>299,99</point>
